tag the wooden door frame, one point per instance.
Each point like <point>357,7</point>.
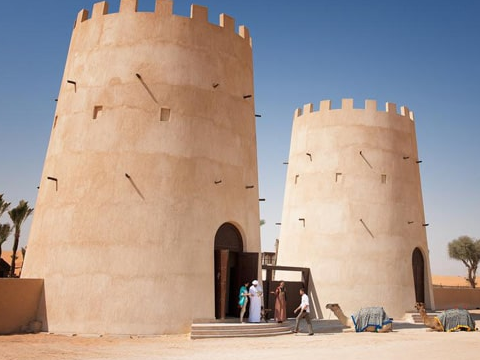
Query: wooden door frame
<point>221,275</point>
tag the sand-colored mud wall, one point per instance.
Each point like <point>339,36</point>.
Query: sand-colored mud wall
<point>353,208</point>
<point>454,298</point>
<point>22,306</point>
<point>152,149</point>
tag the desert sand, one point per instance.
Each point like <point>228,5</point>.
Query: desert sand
<point>407,341</point>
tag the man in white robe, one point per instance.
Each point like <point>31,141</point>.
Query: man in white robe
<point>255,302</point>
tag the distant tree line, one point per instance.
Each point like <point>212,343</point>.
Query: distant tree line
<point>17,215</point>
<point>467,250</point>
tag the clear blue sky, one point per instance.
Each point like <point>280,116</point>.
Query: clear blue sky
<point>424,54</point>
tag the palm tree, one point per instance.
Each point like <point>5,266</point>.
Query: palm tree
<point>18,215</point>
<point>3,205</point>
<point>5,231</point>
<point>24,251</point>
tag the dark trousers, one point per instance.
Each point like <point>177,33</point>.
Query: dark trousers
<point>304,315</point>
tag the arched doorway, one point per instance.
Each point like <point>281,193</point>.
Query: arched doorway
<point>418,267</point>
<point>232,267</point>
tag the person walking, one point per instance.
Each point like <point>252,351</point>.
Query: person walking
<point>304,309</point>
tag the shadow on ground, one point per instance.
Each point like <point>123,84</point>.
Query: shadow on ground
<point>334,326</point>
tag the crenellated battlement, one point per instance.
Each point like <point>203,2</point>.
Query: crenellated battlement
<point>163,9</point>
<point>347,104</point>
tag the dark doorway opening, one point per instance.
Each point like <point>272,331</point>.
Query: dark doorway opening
<point>292,296</point>
<point>232,268</point>
<point>418,267</point>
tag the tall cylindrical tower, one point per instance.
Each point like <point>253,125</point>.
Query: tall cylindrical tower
<point>353,208</point>
<point>151,167</point>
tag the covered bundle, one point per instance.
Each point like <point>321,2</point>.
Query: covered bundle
<point>456,320</point>
<point>371,316</point>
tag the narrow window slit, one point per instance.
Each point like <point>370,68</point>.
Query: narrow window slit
<point>338,177</point>
<point>164,114</point>
<point>97,111</point>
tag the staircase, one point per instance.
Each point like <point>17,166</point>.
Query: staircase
<point>415,318</point>
<point>204,330</point>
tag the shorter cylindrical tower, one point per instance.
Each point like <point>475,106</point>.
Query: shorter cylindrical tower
<point>353,208</point>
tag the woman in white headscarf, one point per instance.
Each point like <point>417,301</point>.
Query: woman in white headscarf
<point>255,302</point>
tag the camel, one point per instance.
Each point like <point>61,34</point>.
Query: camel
<point>372,319</point>
<point>448,320</point>
<point>430,321</point>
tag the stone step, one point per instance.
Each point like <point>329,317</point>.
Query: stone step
<point>230,326</point>
<point>238,331</point>
<point>223,335</point>
<point>416,317</point>
<point>219,330</point>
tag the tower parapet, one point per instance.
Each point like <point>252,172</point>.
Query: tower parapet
<point>164,11</point>
<point>347,104</point>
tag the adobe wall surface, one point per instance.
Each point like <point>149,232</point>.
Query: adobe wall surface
<point>453,298</point>
<point>152,149</point>
<point>353,208</point>
<point>21,305</point>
